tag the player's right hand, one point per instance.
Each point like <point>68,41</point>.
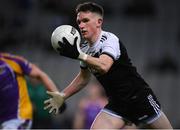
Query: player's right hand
<point>54,103</point>
<point>71,51</point>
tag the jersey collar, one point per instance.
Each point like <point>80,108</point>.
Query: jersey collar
<point>97,41</point>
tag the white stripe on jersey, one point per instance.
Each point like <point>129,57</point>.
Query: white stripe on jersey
<point>154,104</point>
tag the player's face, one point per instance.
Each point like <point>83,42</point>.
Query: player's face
<point>89,23</point>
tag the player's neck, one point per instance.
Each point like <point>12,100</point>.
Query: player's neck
<point>95,37</point>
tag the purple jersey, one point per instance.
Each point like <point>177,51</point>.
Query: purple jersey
<point>14,101</point>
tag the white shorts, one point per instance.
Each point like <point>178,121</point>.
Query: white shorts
<point>16,124</point>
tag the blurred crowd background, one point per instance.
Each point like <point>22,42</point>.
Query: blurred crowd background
<point>150,29</point>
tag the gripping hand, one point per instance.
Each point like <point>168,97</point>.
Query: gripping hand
<point>71,51</point>
<point>54,103</point>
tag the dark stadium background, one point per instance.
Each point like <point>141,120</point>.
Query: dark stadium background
<point>150,29</point>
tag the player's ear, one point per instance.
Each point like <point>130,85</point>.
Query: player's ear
<point>99,22</point>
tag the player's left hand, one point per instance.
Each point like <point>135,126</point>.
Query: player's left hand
<point>71,51</point>
<point>55,102</point>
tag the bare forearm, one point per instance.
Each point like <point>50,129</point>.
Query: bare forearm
<point>40,75</point>
<point>76,85</point>
<point>95,63</point>
<point>48,83</point>
<point>101,64</point>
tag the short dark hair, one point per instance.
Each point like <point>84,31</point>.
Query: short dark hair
<point>90,6</point>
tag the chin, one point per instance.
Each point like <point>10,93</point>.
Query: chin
<point>84,36</point>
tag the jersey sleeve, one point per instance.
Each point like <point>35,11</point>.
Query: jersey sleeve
<point>22,63</point>
<point>111,47</point>
<point>25,66</point>
<point>18,63</point>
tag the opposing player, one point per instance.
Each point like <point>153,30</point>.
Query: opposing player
<point>89,106</point>
<point>15,105</point>
<point>104,55</point>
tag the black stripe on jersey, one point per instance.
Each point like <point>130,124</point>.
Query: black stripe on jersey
<point>103,38</point>
<point>109,55</point>
<point>83,44</point>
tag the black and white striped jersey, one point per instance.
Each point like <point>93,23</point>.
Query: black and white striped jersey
<point>118,80</point>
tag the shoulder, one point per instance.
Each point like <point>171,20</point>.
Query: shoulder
<point>108,36</point>
<point>13,57</point>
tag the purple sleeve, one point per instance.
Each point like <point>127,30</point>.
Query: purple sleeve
<point>22,63</point>
<point>25,66</point>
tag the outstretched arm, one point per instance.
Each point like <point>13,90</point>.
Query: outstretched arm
<point>40,75</point>
<point>58,98</point>
<point>78,83</point>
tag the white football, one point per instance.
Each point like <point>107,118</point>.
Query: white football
<point>67,31</point>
